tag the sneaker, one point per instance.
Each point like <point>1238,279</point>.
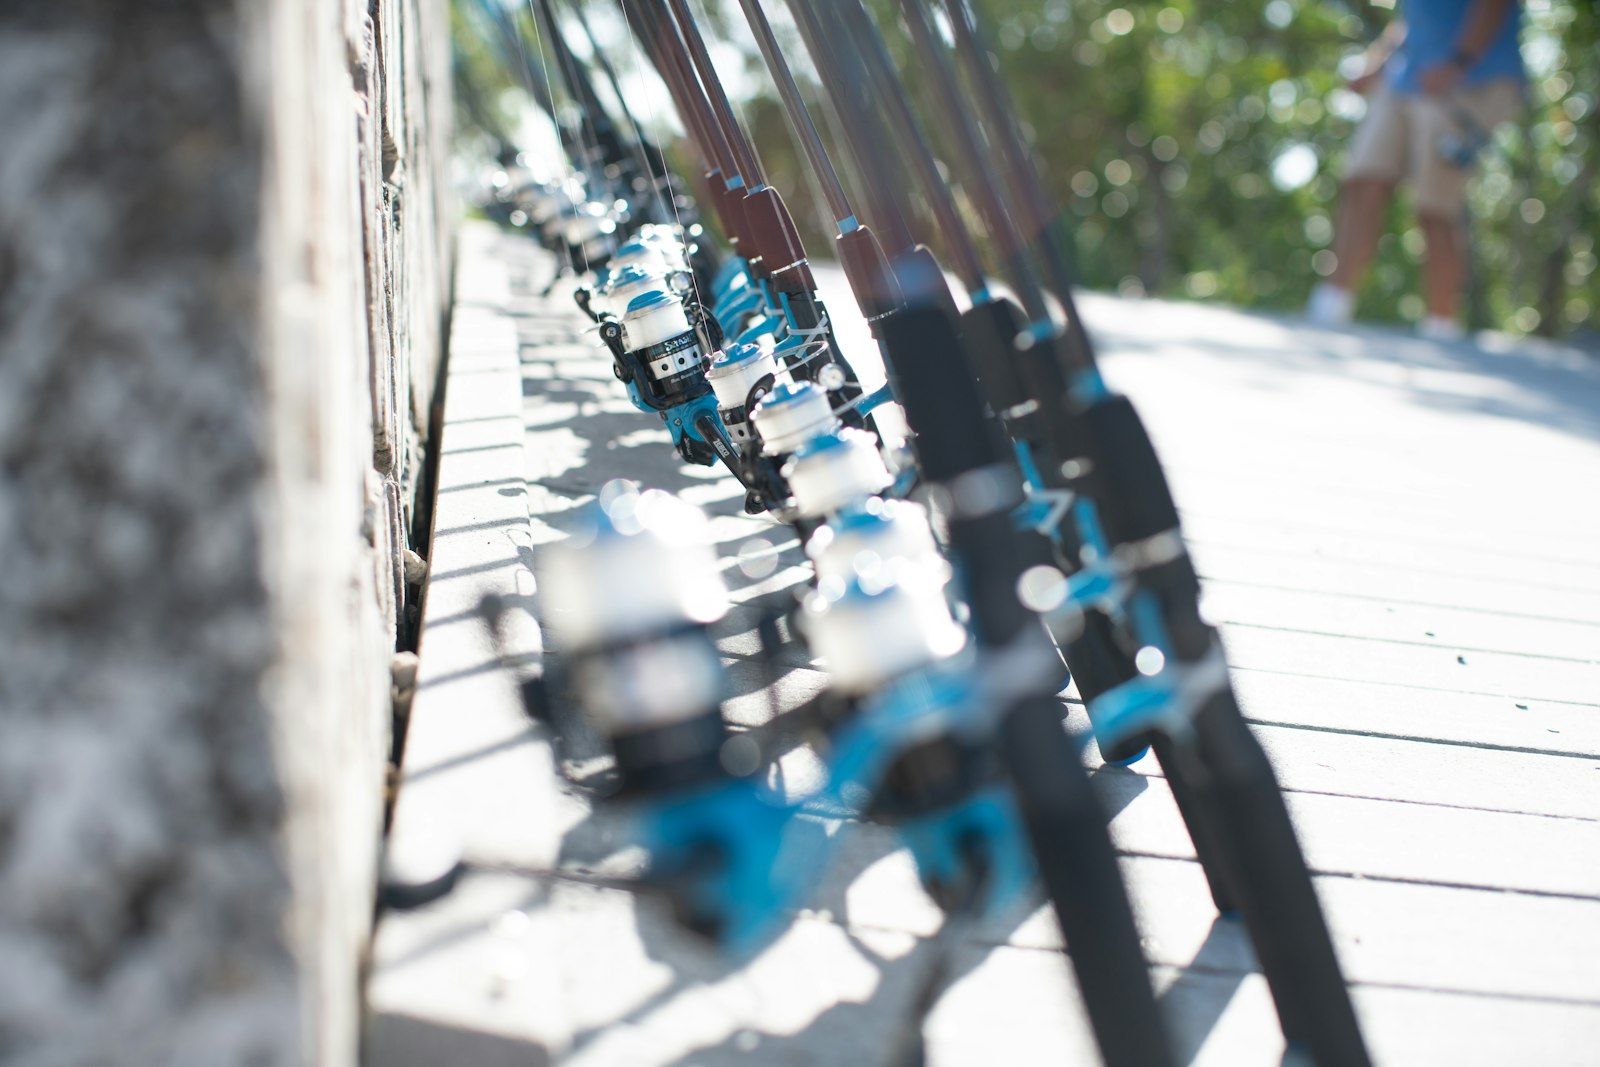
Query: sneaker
<point>1439,328</point>
<point>1330,305</point>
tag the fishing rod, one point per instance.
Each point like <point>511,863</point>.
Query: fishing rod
<point>995,325</point>
<point>1127,1021</point>
<point>1182,693</point>
<point>772,241</point>
<point>514,56</point>
<point>1009,363</point>
<point>860,254</point>
<point>667,59</point>
<point>1029,204</point>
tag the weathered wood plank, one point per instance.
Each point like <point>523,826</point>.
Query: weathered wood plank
<point>1381,550</point>
<point>1487,592</point>
<point>1315,761</point>
<point>1405,712</point>
<point>1522,679</point>
<point>1387,839</point>
<point>1341,615</point>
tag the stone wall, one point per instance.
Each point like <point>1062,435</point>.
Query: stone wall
<point>223,276</point>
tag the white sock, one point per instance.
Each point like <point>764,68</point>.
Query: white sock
<point>1330,305</point>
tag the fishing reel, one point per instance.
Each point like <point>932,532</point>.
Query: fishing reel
<point>589,231</point>
<point>741,376</point>
<point>616,288</point>
<point>659,354</point>
<point>791,414</point>
<point>874,617</point>
<point>631,597</point>
<point>836,471</point>
<point>915,703</point>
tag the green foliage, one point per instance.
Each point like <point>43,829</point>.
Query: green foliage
<point>1196,146</point>
<point>481,74</point>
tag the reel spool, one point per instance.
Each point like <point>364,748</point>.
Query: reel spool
<point>657,335</point>
<point>667,243</point>
<point>879,533</point>
<point>858,557</point>
<point>877,627</point>
<point>835,470</point>
<point>631,598</point>
<point>741,375</point>
<point>792,414</point>
<point>638,253</point>
<point>625,285</point>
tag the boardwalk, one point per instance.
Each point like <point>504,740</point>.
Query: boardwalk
<point>1402,543</point>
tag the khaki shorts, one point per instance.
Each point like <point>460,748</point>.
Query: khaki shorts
<point>1401,134</point>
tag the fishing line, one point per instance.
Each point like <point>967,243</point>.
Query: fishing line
<point>665,188</point>
<point>640,145</point>
<point>565,253</point>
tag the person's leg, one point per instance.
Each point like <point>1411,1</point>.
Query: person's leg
<point>1451,132</point>
<point>1363,203</point>
<point>1444,264</point>
<point>1377,158</point>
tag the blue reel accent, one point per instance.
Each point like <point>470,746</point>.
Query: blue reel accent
<point>927,703</point>
<point>650,299</point>
<point>738,352</point>
<point>940,844</point>
<point>1133,707</point>
<point>1089,529</point>
<point>724,851</point>
<point>1025,460</point>
<point>1089,388</point>
<point>681,419</point>
<point>609,280</point>
<point>1146,701</point>
<point>734,270</point>
<point>737,306</point>
<point>875,399</point>
<point>637,401</point>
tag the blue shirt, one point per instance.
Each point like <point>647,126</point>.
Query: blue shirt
<point>1432,28</point>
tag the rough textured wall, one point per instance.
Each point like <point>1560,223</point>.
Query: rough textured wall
<point>222,279</point>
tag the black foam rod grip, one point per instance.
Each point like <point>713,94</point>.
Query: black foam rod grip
<point>1130,487</point>
<point>990,329</point>
<point>930,379</point>
<point>1275,894</point>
